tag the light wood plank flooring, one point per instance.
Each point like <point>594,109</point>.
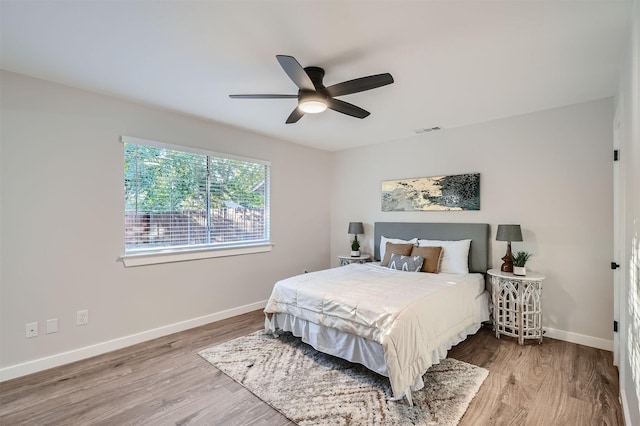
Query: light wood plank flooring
<point>165,382</point>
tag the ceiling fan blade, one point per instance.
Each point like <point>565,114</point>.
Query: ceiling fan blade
<point>295,115</point>
<point>263,96</point>
<point>346,108</point>
<point>360,84</point>
<point>295,72</point>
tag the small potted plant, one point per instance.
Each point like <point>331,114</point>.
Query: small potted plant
<point>519,261</point>
<point>355,247</point>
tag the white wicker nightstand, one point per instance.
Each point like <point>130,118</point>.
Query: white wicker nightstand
<point>345,260</point>
<point>517,304</point>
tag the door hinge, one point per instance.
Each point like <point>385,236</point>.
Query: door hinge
<point>614,265</point>
<point>615,326</point>
<point>616,155</point>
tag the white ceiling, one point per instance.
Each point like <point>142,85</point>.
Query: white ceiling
<point>454,62</point>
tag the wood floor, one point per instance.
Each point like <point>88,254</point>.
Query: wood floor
<point>165,382</point>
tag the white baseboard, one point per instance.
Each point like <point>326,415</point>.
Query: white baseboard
<point>19,370</point>
<point>581,339</point>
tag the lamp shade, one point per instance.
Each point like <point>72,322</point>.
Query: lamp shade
<point>509,233</point>
<point>356,228</point>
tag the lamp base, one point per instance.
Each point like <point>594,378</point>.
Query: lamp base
<point>507,266</point>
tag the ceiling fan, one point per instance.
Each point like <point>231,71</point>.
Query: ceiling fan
<point>314,97</point>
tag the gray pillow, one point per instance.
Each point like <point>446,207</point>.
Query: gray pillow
<point>406,263</point>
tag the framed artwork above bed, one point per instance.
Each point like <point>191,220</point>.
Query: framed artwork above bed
<point>455,192</point>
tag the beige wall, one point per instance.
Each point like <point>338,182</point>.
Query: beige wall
<point>550,171</point>
<point>62,225</point>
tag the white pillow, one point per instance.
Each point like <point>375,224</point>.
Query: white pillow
<point>384,240</point>
<point>455,255</point>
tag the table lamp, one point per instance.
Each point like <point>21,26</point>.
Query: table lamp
<point>508,233</point>
<point>355,228</point>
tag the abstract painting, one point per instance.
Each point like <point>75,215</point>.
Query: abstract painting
<point>455,192</point>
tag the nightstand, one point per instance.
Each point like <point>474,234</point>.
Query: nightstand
<point>517,304</point>
<point>346,260</point>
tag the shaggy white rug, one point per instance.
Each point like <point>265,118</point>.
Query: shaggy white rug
<point>312,388</point>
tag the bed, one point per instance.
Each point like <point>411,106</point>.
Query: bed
<point>395,322</point>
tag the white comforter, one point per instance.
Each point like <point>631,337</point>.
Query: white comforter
<point>408,313</point>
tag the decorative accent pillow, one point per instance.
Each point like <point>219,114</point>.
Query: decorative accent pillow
<point>455,255</point>
<point>406,263</point>
<point>384,240</point>
<point>400,249</point>
<point>431,258</point>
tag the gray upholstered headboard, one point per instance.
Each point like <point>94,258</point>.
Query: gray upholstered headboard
<point>479,233</point>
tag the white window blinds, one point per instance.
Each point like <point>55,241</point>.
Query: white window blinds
<point>178,200</point>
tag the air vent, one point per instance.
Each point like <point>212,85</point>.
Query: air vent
<point>431,129</point>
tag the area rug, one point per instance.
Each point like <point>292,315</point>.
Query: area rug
<point>311,388</point>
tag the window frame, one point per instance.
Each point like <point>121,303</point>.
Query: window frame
<point>179,254</point>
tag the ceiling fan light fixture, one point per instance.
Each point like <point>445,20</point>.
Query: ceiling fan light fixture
<point>312,103</point>
<point>312,107</point>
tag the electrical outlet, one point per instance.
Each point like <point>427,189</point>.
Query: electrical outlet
<point>52,325</point>
<point>31,330</point>
<point>82,317</point>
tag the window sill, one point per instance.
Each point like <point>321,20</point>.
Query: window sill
<point>142,259</point>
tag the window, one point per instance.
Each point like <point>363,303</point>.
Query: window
<point>179,200</point>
